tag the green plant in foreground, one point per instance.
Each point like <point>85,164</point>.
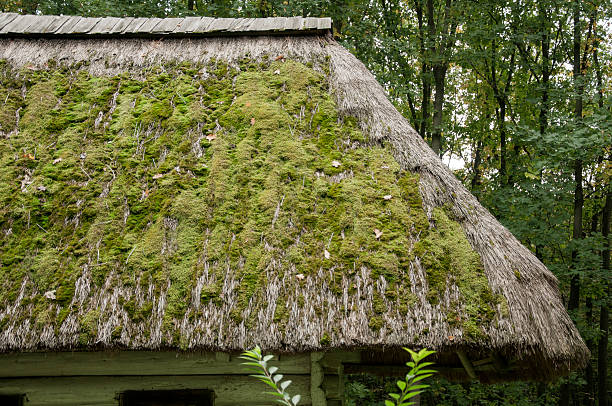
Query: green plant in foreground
<point>258,363</point>
<point>411,386</point>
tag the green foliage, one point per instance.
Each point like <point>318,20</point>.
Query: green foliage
<point>412,386</point>
<point>258,364</point>
<point>409,387</point>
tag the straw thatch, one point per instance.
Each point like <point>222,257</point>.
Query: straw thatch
<point>295,303</point>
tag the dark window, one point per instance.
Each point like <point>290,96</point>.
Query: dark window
<point>11,400</point>
<point>166,398</point>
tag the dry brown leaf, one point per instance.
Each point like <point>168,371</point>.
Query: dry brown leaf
<point>278,58</point>
<point>248,104</point>
<point>211,137</point>
<point>252,120</point>
<point>300,276</point>
<point>377,233</point>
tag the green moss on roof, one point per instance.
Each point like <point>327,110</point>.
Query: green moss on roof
<point>190,169</point>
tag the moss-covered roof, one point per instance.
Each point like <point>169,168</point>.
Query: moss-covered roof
<point>249,190</point>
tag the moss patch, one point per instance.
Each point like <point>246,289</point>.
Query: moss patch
<point>448,257</point>
<point>187,167</point>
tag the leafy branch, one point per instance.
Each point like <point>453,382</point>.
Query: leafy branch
<point>258,364</point>
<point>411,386</point>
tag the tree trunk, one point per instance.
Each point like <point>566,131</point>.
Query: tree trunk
<point>476,169</point>
<point>545,47</point>
<point>425,72</point>
<point>574,298</point>
<point>439,72</point>
<point>602,350</point>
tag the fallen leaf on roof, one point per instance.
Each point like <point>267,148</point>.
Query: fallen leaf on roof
<point>300,276</point>
<point>336,164</point>
<point>327,254</point>
<point>252,120</point>
<point>50,294</point>
<point>278,58</point>
<point>377,233</point>
<point>157,175</point>
<point>387,197</point>
<point>211,137</point>
<point>57,160</point>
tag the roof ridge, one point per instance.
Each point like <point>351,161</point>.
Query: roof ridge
<point>51,25</point>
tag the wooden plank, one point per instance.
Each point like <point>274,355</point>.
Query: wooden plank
<point>334,359</point>
<point>122,25</point>
<point>103,390</point>
<point>136,363</point>
<point>56,24</point>
<point>105,25</point>
<point>66,28</point>
<point>399,370</point>
<point>219,24</point>
<point>166,25</point>
<point>203,25</point>
<point>40,25</point>
<point>7,18</point>
<point>189,24</point>
<point>85,25</point>
<point>317,393</point>
<point>134,25</point>
<point>148,25</point>
<point>18,25</point>
<point>467,364</point>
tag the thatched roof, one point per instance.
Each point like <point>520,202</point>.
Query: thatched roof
<point>218,192</point>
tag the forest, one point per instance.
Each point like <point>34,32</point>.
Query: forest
<point>515,96</point>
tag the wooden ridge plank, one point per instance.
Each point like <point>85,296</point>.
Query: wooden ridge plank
<point>203,25</point>
<point>105,25</point>
<point>85,25</point>
<point>167,25</point>
<point>19,24</point>
<point>7,18</point>
<point>12,23</point>
<point>188,25</point>
<point>134,25</point>
<point>41,24</point>
<point>148,25</point>
<point>66,28</point>
<point>122,25</point>
<point>56,24</point>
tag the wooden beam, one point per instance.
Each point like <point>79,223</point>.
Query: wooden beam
<point>465,361</point>
<point>136,363</point>
<point>401,371</point>
<point>104,390</point>
<point>317,394</point>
